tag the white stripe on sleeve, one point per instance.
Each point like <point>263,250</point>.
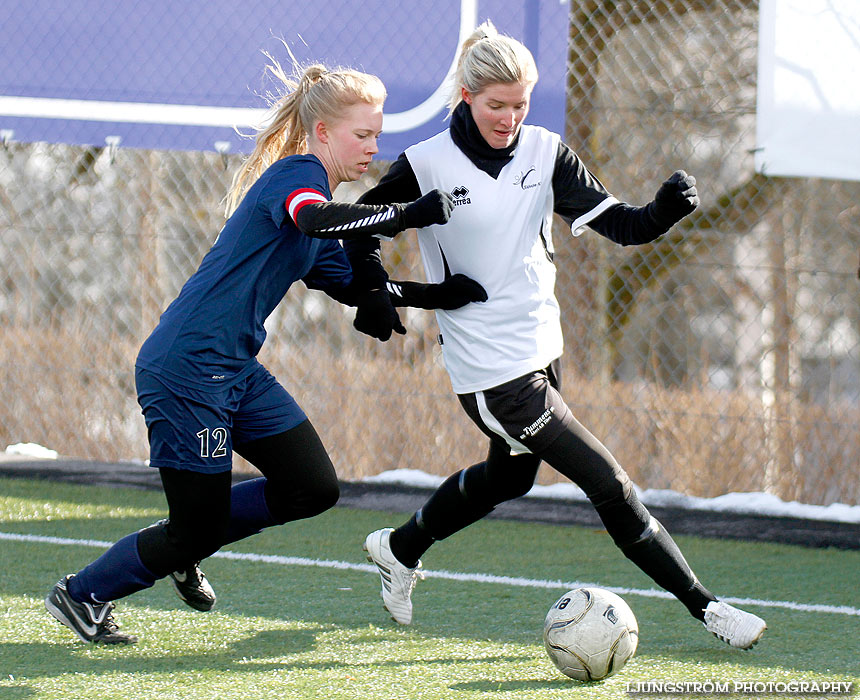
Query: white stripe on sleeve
<point>366,221</point>
<point>301,199</point>
<point>577,228</point>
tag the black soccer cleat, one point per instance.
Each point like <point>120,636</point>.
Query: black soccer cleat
<point>92,622</point>
<point>193,588</point>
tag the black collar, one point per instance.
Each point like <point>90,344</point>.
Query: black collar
<point>465,134</point>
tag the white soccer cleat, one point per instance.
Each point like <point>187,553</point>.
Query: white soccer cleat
<point>397,580</point>
<point>735,627</point>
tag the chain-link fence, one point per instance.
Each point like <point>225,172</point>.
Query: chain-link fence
<point>724,357</point>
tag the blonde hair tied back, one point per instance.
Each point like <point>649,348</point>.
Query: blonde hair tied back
<point>488,57</point>
<point>314,93</point>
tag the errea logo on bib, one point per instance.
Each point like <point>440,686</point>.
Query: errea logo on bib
<point>527,179</point>
<point>461,195</point>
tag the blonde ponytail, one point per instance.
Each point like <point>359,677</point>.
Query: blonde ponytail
<point>317,94</point>
<point>488,57</point>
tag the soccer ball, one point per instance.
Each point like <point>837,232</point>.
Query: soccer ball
<point>590,634</point>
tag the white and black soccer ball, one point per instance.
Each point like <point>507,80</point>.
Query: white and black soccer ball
<point>590,634</point>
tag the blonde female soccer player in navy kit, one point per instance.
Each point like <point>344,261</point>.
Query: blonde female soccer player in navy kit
<point>507,180</point>
<point>201,389</point>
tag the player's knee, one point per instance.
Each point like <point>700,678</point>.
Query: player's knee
<point>623,515</point>
<point>490,488</point>
<point>611,487</point>
<point>322,497</point>
<point>518,485</point>
<point>306,502</point>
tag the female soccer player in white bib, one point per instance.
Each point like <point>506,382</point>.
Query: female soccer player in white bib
<point>201,389</point>
<point>507,179</point>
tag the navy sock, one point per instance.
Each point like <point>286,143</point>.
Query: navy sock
<point>115,574</point>
<point>249,512</point>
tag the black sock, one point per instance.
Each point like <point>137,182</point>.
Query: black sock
<point>659,557</point>
<point>409,541</point>
<point>696,599</point>
<point>447,511</point>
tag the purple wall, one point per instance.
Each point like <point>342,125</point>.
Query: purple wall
<point>209,54</point>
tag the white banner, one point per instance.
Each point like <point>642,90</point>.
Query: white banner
<point>808,104</point>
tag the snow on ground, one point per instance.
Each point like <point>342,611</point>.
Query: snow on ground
<point>31,449</point>
<point>754,503</point>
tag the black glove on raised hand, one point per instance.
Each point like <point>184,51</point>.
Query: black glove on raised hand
<point>676,198</point>
<point>376,316</point>
<point>456,291</point>
<point>435,207</point>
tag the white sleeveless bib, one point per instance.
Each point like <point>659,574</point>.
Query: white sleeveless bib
<point>499,235</point>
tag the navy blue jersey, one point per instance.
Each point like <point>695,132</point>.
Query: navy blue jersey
<point>211,332</point>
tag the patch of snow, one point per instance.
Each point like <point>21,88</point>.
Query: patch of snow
<point>31,449</point>
<point>751,503</point>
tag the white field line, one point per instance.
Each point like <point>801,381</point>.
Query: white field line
<point>454,576</point>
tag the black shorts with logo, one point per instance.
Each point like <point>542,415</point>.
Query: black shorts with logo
<point>528,412</point>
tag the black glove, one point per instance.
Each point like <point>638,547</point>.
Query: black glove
<point>376,315</point>
<point>676,198</point>
<point>456,291</point>
<point>435,207</point>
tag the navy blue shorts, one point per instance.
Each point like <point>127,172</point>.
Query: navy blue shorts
<point>196,430</point>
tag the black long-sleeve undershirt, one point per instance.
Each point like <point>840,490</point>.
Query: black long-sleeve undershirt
<point>622,223</point>
<point>343,220</point>
<point>406,293</point>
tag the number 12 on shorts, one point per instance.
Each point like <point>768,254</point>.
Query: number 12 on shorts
<point>219,440</point>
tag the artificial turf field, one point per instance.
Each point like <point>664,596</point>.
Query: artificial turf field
<point>304,619</point>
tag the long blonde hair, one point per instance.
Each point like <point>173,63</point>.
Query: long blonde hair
<point>488,57</point>
<point>317,94</point>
